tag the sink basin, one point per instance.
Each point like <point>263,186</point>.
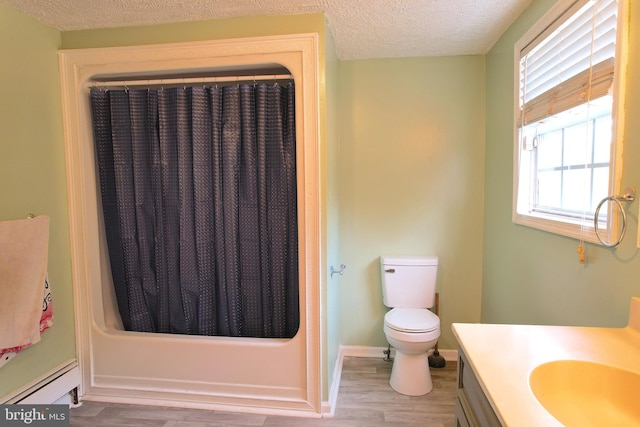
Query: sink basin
<point>582,393</point>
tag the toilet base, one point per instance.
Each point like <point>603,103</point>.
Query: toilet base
<point>410,374</point>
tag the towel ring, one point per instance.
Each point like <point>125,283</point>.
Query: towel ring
<point>628,196</point>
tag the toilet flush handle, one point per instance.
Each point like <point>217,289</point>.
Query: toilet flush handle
<point>390,270</point>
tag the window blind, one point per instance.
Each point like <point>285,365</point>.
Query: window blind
<point>571,65</point>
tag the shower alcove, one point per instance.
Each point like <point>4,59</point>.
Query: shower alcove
<point>242,374</point>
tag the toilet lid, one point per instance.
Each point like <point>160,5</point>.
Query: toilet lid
<point>412,320</point>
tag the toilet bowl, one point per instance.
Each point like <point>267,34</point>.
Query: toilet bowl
<point>409,290</point>
<point>412,332</point>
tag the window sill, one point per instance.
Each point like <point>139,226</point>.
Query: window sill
<point>574,229</point>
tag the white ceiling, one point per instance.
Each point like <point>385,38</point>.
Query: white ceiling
<point>361,29</point>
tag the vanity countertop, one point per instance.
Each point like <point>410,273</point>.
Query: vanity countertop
<point>503,356</point>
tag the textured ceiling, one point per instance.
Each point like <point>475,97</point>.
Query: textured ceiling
<point>361,28</point>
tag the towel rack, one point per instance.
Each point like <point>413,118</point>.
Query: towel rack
<point>629,195</point>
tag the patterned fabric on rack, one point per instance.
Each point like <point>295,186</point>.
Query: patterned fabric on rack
<point>46,320</point>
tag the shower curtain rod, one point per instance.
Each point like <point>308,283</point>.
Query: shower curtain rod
<point>189,80</point>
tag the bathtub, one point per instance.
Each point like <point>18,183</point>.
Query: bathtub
<point>183,370</point>
<point>280,376</point>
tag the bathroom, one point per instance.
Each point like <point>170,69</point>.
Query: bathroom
<point>436,179</point>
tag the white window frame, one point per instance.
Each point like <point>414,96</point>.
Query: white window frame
<point>575,228</point>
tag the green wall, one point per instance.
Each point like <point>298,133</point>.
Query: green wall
<point>531,276</point>
<point>331,308</point>
<point>32,175</point>
<point>411,183</point>
<point>191,31</point>
<point>256,26</point>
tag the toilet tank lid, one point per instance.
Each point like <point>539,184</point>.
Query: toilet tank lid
<point>409,260</point>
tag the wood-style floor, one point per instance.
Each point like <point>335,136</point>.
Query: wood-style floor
<point>365,399</point>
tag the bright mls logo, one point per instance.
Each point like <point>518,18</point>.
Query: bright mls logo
<point>34,415</point>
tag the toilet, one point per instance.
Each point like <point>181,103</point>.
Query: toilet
<point>409,289</point>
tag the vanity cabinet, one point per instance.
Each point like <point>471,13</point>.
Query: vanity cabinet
<point>472,406</point>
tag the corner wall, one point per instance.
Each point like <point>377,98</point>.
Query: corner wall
<point>331,160</point>
<point>410,183</point>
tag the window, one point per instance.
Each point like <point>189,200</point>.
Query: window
<point>566,119</point>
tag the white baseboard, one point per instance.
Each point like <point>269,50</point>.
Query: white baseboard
<point>373,352</point>
<point>365,351</point>
<point>449,354</point>
<point>329,407</point>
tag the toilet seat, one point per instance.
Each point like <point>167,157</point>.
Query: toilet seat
<point>412,320</point>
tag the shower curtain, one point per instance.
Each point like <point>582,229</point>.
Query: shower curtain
<point>198,188</point>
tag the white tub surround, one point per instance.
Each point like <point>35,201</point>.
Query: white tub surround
<point>281,376</point>
<point>502,358</point>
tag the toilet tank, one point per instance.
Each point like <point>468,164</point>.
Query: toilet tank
<point>408,282</point>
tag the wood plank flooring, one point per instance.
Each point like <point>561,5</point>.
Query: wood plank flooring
<point>365,399</point>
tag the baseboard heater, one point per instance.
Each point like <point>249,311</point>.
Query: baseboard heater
<point>56,386</point>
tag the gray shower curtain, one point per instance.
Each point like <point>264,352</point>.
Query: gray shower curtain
<point>198,189</point>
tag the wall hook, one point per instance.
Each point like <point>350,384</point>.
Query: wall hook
<point>338,271</point>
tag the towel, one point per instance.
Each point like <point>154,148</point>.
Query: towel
<point>23,273</point>
<point>46,320</point>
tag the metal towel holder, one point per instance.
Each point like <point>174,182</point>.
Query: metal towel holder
<point>629,195</point>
